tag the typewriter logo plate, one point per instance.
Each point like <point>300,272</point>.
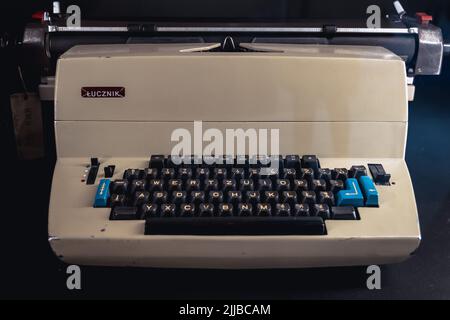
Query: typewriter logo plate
<point>103,92</point>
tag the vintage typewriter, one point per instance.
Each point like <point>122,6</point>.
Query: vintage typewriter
<point>336,191</point>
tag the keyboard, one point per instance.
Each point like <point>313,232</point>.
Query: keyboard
<point>150,212</point>
<point>239,196</point>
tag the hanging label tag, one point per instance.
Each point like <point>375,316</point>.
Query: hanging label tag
<point>27,119</point>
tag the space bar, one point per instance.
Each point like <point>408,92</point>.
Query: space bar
<point>210,226</point>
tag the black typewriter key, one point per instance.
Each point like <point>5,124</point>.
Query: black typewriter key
<point>340,174</point>
<point>292,162</point>
<point>229,185</point>
<point>326,197</point>
<point>193,185</point>
<point>219,162</point>
<point>310,161</point>
<point>168,210</point>
<point>155,185</point>
<point>184,173</point>
<point>336,186</point>
<point>282,185</point>
<point>174,184</point>
<point>209,161</point>
<point>197,161</point>
<point>306,174</point>
<point>244,209</point>
<point>274,173</point>
<point>202,174</point>
<point>237,173</point>
<point>174,162</point>
<point>197,197</point>
<point>278,163</point>
<point>289,197</point>
<point>253,174</point>
<point>242,161</point>
<point>140,197</point>
<point>343,213</point>
<point>132,174</point>
<point>228,161</point>
<point>187,210</point>
<point>323,174</point>
<point>289,174</point>
<point>151,173</point>
<point>159,197</point>
<point>264,185</point>
<point>187,161</point>
<point>252,197</point>
<point>156,161</point>
<point>282,210</point>
<point>215,197</point>
<point>300,185</point>
<point>109,171</point>
<point>379,174</point>
<point>119,186</point>
<point>168,163</point>
<point>357,171</point>
<point>253,162</point>
<point>117,200</point>
<point>321,210</point>
<point>301,210</point>
<point>168,173</point>
<point>263,161</point>
<point>269,173</point>
<point>211,185</point>
<point>263,210</point>
<point>124,213</point>
<point>318,185</point>
<point>271,197</point>
<point>148,210</point>
<point>234,197</point>
<point>178,197</point>
<point>206,210</point>
<point>308,197</point>
<point>225,210</point>
<point>241,226</point>
<point>246,185</point>
<point>137,185</point>
<point>220,174</point>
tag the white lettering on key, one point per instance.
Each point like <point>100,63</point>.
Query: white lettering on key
<point>355,191</point>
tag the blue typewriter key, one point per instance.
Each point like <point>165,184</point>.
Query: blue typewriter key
<point>369,191</point>
<point>102,195</point>
<point>351,196</point>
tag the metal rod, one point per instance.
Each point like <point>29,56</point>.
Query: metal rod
<point>241,29</point>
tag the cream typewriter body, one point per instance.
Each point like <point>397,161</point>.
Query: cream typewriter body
<point>119,105</point>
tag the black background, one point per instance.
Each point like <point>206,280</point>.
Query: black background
<point>275,10</point>
<point>28,268</point>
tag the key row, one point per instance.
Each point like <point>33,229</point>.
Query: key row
<point>216,197</point>
<point>126,187</point>
<point>189,210</point>
<point>290,161</point>
<point>243,173</point>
